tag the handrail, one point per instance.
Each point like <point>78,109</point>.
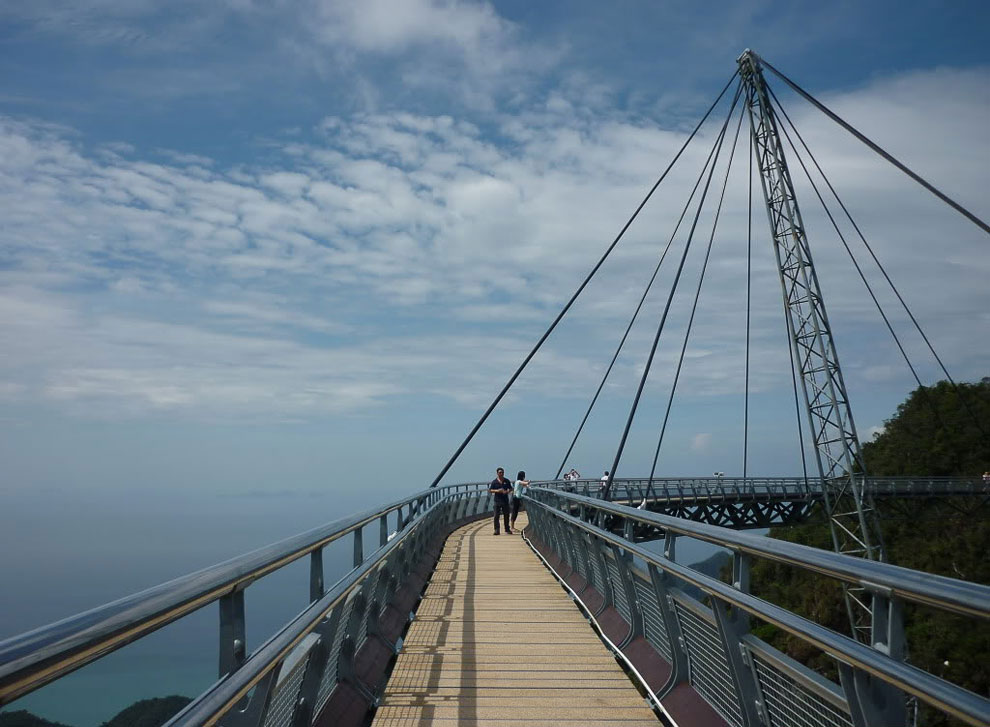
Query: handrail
<point>35,658</point>
<point>974,484</point>
<point>934,690</point>
<point>210,706</point>
<point>949,594</point>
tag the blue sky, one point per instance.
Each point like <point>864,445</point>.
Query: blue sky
<point>260,246</point>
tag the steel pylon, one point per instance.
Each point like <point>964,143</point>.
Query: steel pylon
<point>851,513</point>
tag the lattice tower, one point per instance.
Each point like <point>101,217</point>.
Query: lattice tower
<point>851,513</point>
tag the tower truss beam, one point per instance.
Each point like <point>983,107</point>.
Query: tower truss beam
<point>852,516</point>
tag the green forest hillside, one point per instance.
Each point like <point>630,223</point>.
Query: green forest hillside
<point>938,430</point>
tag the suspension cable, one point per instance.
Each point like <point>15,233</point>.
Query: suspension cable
<point>580,289</point>
<point>639,307</point>
<point>749,287</point>
<point>880,265</point>
<point>876,148</point>
<point>697,296</point>
<point>845,244</point>
<point>855,262</point>
<point>666,310</point>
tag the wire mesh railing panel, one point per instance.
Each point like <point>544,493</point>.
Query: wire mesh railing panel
<point>562,542</point>
<point>282,707</point>
<point>386,591</point>
<point>598,578</point>
<point>618,587</point>
<point>653,623</point>
<point>708,668</point>
<point>329,680</point>
<point>788,704</point>
<point>370,591</point>
<point>580,553</point>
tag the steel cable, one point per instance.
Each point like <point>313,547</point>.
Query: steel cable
<point>639,307</point>
<point>749,287</point>
<point>697,296</point>
<point>567,306</point>
<point>666,310</point>
<point>876,260</point>
<point>872,145</point>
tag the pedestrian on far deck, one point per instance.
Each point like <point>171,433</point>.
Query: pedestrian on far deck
<point>500,488</point>
<point>520,486</point>
<point>601,486</point>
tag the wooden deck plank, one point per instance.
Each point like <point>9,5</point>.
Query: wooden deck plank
<point>497,641</point>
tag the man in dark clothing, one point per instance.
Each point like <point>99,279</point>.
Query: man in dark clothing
<point>500,488</point>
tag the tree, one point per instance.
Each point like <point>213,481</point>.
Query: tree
<point>938,430</point>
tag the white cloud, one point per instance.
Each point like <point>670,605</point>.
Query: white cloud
<point>874,432</point>
<point>701,442</point>
<point>460,49</point>
<point>185,286</point>
<point>390,26</point>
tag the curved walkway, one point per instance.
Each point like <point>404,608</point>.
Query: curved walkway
<point>497,641</point>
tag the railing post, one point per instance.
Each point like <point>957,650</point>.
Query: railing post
<point>872,701</point>
<point>678,648</point>
<point>732,629</point>
<point>669,545</point>
<point>550,531</point>
<point>316,575</point>
<point>562,544</point>
<point>233,646</point>
<point>595,552</point>
<point>315,666</point>
<point>740,580</point>
<point>623,563</point>
<point>383,531</point>
<point>628,530</point>
<point>358,547</point>
<point>319,656</point>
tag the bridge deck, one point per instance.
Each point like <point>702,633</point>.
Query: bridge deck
<point>496,641</point>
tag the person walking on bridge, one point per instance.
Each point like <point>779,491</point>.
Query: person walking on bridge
<point>518,488</point>
<point>500,488</point>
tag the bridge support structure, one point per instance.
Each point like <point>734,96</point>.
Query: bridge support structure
<point>852,515</point>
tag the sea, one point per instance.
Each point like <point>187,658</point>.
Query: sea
<point>62,553</point>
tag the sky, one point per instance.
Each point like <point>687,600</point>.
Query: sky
<point>257,252</point>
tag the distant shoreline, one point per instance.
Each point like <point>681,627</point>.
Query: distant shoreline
<point>143,713</point>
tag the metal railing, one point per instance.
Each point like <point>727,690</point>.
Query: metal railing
<point>698,489</point>
<point>710,647</point>
<point>289,678</point>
